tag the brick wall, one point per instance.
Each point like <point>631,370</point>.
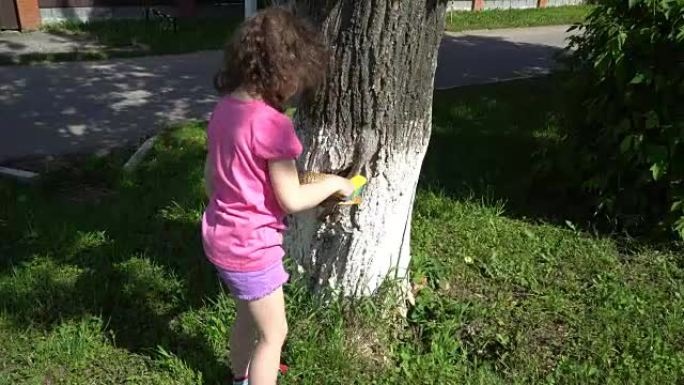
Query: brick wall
<point>29,14</point>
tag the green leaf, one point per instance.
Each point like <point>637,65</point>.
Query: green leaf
<point>601,62</point>
<point>652,120</point>
<point>621,38</point>
<point>638,79</point>
<point>656,171</point>
<point>679,227</point>
<point>676,205</point>
<point>626,144</point>
<point>503,339</point>
<point>658,156</point>
<point>632,3</point>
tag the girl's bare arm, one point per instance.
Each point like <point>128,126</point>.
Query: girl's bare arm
<point>295,197</point>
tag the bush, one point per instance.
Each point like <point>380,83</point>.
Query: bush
<point>626,127</point>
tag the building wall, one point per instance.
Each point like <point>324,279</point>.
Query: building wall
<point>560,3</point>
<point>58,14</point>
<point>467,5</point>
<point>100,3</point>
<point>28,14</point>
<point>460,5</point>
<point>53,11</point>
<point>510,4</point>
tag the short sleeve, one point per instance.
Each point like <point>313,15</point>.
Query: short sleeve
<point>274,137</point>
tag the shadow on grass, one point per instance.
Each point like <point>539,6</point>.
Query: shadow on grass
<point>486,144</point>
<point>132,256</point>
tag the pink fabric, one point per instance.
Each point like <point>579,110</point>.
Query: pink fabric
<point>243,224</point>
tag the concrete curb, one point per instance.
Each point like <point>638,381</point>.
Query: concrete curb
<point>71,56</point>
<point>20,175</point>
<point>137,157</point>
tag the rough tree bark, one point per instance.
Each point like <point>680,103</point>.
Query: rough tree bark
<point>372,116</point>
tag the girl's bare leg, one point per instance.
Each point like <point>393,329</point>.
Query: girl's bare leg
<point>242,340</point>
<point>269,319</point>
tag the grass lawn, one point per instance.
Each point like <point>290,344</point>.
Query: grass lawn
<point>126,38</point>
<point>102,278</point>
<point>130,38</point>
<point>152,37</point>
<point>191,35</point>
<point>515,18</point>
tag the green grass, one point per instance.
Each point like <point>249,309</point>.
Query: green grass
<point>515,18</point>
<point>113,288</point>
<point>155,37</point>
<point>488,140</point>
<point>130,38</point>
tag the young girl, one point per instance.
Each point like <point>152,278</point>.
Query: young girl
<point>252,181</point>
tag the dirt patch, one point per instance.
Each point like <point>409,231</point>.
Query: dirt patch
<point>85,193</point>
<point>368,345</point>
<point>546,342</point>
<point>464,291</point>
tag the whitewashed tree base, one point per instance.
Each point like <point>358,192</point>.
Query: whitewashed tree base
<point>373,116</point>
<point>375,246</point>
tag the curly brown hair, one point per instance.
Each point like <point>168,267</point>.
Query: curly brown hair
<point>274,55</point>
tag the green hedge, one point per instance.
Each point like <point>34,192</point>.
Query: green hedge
<point>625,131</point>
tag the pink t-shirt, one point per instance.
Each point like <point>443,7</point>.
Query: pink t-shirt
<point>243,224</point>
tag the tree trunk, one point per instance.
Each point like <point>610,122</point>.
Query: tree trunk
<point>373,116</point>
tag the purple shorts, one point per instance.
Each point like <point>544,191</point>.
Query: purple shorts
<point>252,286</point>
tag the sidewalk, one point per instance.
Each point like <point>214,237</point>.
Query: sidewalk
<point>488,56</point>
<point>72,107</point>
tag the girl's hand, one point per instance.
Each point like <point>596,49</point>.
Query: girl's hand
<point>345,187</point>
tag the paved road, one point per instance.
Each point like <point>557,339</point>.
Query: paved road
<point>83,106</point>
<point>489,56</point>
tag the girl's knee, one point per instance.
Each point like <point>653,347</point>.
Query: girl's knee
<point>276,334</point>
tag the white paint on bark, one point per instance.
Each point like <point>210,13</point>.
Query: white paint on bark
<point>375,235</point>
<point>382,244</point>
<point>372,115</point>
